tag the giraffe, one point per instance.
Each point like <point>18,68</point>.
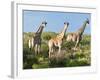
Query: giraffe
<point>57,41</point>
<point>77,36</point>
<point>36,40</point>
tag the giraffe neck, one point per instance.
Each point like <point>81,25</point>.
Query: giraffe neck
<point>39,31</point>
<point>61,35</point>
<point>81,30</point>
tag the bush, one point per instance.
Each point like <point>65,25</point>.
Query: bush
<point>58,60</point>
<point>44,50</point>
<point>68,45</point>
<point>28,58</point>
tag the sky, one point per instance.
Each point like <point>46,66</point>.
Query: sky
<point>55,21</point>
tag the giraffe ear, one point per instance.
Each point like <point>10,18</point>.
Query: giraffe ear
<point>67,23</point>
<point>45,22</point>
<point>87,20</point>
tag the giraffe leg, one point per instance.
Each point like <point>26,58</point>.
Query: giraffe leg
<point>50,50</point>
<point>29,44</point>
<point>32,43</point>
<point>59,45</point>
<point>79,40</point>
<point>59,49</point>
<point>50,45</point>
<point>77,43</point>
<point>33,48</point>
<point>49,53</point>
<point>36,46</point>
<point>39,49</point>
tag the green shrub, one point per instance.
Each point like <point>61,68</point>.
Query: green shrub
<point>76,63</point>
<point>28,58</point>
<point>58,60</point>
<point>35,66</point>
<point>44,50</point>
<point>68,45</point>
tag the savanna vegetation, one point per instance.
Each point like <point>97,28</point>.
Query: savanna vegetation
<point>67,58</point>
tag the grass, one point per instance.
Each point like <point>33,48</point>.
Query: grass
<point>67,57</point>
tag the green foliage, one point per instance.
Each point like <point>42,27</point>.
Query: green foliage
<point>29,61</point>
<point>48,35</point>
<point>28,58</point>
<point>77,62</point>
<point>68,45</point>
<point>44,50</point>
<point>58,60</point>
<point>67,57</point>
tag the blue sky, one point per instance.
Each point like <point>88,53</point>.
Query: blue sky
<point>55,21</point>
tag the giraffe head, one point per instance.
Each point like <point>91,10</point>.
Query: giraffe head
<point>43,23</point>
<point>87,21</point>
<point>66,24</point>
